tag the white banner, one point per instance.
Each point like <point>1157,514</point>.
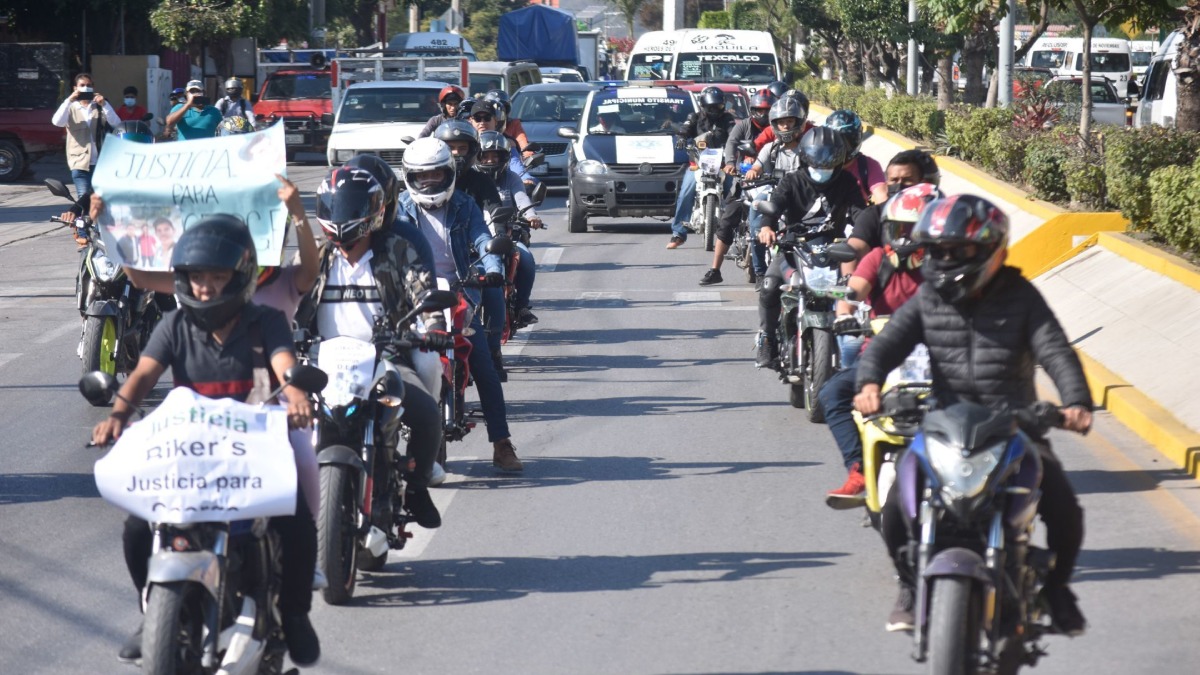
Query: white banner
<point>195,459</point>
<point>639,149</point>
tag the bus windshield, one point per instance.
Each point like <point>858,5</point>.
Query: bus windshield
<point>739,68</point>
<point>1046,59</point>
<point>649,67</point>
<point>1106,63</point>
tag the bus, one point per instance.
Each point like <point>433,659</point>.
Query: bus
<point>1110,59</point>
<point>742,57</point>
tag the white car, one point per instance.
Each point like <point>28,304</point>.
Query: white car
<point>1107,108</point>
<point>375,117</point>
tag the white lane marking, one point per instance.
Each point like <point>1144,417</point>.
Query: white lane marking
<point>65,329</point>
<point>5,358</point>
<point>517,344</point>
<point>698,296</point>
<point>442,496</point>
<point>550,259</point>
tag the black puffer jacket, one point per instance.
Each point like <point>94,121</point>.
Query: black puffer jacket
<point>983,351</point>
<point>717,130</point>
<point>802,201</point>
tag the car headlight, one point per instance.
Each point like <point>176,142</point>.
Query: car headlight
<point>962,477</point>
<point>345,155</point>
<point>590,167</point>
<point>105,269</point>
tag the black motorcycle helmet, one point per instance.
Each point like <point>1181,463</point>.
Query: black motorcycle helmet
<point>232,126</point>
<point>350,205</point>
<point>760,107</point>
<point>458,131</point>
<point>382,171</point>
<point>824,153</point>
<point>494,146</point>
<point>712,102</point>
<point>220,241</point>
<point>134,130</point>
<point>777,89</point>
<point>464,108</point>
<point>802,101</point>
<point>965,239</point>
<point>787,108</point>
<point>848,124</point>
<point>501,102</point>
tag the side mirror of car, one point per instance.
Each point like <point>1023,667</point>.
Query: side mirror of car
<point>327,119</point>
<point>1133,91</point>
<point>568,132</point>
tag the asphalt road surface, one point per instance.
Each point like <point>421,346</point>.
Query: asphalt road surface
<point>670,518</point>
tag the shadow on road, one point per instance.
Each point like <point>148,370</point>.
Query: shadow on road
<point>27,488</point>
<point>613,336</point>
<point>1094,481</point>
<point>624,406</point>
<point>1123,564</point>
<point>564,471</point>
<point>476,580</point>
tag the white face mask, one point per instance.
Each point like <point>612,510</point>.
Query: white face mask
<point>820,175</point>
<point>130,102</point>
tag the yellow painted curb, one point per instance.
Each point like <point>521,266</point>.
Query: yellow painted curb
<point>1040,250</point>
<point>1151,258</point>
<point>1146,418</point>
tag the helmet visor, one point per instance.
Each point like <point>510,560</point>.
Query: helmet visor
<point>430,182</point>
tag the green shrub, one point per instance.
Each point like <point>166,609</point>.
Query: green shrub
<point>927,121</point>
<point>1044,156</point>
<point>1083,171</point>
<point>871,105</point>
<point>955,123</point>
<point>1175,205</point>
<point>967,128</point>
<point>1006,148</point>
<point>1130,156</point>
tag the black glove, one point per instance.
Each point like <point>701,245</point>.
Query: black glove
<point>493,279</point>
<point>439,340</point>
<point>846,324</point>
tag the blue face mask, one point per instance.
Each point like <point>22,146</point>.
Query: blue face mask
<point>820,175</point>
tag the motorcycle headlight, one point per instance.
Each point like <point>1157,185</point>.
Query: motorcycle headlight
<point>590,167</point>
<point>105,269</point>
<point>820,278</point>
<point>962,477</point>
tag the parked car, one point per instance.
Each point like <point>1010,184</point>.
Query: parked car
<point>509,76</point>
<point>1160,87</point>
<point>625,159</point>
<point>1107,107</point>
<point>375,118</point>
<point>302,99</point>
<point>544,109</point>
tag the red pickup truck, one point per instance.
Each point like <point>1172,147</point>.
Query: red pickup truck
<point>302,98</point>
<point>25,136</point>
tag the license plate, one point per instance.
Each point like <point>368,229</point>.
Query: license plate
<point>540,170</point>
<point>293,139</point>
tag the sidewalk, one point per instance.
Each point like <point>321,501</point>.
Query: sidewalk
<point>26,205</point>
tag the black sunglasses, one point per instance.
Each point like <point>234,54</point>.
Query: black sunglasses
<point>483,117</point>
<point>953,253</point>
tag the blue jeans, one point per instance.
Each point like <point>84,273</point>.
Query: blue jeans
<point>487,384</point>
<point>837,399</point>
<point>83,182</point>
<point>526,272</point>
<point>684,205</point>
<point>851,348</point>
<point>495,315</point>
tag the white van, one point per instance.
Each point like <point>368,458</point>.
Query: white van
<point>1110,59</point>
<point>1159,93</point>
<point>712,56</point>
<point>1140,53</point>
<point>652,55</point>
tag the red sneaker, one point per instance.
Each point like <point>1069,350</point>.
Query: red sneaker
<point>853,492</point>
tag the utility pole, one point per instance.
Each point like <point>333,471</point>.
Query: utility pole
<point>1007,26</point>
<point>672,15</point>
<point>913,54</point>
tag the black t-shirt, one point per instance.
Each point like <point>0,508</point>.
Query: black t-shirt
<point>868,226</point>
<point>215,370</point>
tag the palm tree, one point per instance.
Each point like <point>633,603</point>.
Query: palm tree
<point>629,8</point>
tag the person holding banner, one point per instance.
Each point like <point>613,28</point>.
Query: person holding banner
<point>215,345</point>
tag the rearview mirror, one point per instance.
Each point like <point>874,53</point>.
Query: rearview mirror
<point>436,301</point>
<point>97,387</point>
<point>306,378</point>
<point>537,159</point>
<point>58,189</point>
<point>568,132</point>
<point>326,119</point>
<point>407,140</point>
<point>148,117</point>
<point>1133,91</point>
<point>747,148</point>
<point>538,194</point>
<point>842,252</point>
<point>499,245</point>
<point>532,147</point>
<point>502,214</point>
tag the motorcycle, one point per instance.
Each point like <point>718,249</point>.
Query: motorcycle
<point>117,317</point>
<point>808,352</point>
<point>709,190</point>
<point>361,465</point>
<point>741,251</point>
<point>970,483</point>
<point>513,225</point>
<point>211,595</point>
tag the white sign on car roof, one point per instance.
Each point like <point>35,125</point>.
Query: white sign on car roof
<point>642,92</point>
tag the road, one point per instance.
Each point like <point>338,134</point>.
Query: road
<point>670,518</point>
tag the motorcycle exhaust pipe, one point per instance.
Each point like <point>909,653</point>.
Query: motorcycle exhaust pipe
<point>242,652</point>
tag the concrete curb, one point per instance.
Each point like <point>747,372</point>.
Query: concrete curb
<point>1051,245</point>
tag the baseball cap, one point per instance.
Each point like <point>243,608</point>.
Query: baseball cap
<point>194,84</point>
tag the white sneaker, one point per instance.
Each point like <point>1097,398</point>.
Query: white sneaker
<point>437,476</point>
<point>319,580</point>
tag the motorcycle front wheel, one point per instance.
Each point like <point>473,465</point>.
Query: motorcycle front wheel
<point>337,542</point>
<point>818,368</point>
<point>99,347</point>
<point>953,626</point>
<point>710,222</point>
<point>172,640</point>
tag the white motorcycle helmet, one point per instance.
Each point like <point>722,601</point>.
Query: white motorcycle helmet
<point>429,172</point>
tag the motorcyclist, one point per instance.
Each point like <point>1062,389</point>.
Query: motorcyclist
<point>362,254</point>
<point>715,121</point>
<point>451,222</point>
<point>866,170</point>
<point>732,206</point>
<point>906,168</point>
<point>986,327</point>
<point>885,279</point>
<point>487,116</point>
<point>506,123</point>
<point>493,161</point>
<point>768,135</point>
<point>821,197</point>
<point>208,345</point>
<point>449,99</point>
<point>234,103</point>
<point>463,140</point>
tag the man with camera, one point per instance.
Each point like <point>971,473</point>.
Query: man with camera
<point>81,114</point>
<point>196,117</point>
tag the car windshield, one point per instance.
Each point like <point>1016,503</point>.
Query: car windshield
<point>557,106</point>
<point>631,114</point>
<point>289,86</point>
<point>482,83</point>
<point>1105,63</point>
<point>742,68</point>
<point>1141,59</point>
<point>569,76</point>
<point>1047,59</point>
<point>389,105</point>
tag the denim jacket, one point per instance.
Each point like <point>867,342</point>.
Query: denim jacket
<point>466,229</point>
